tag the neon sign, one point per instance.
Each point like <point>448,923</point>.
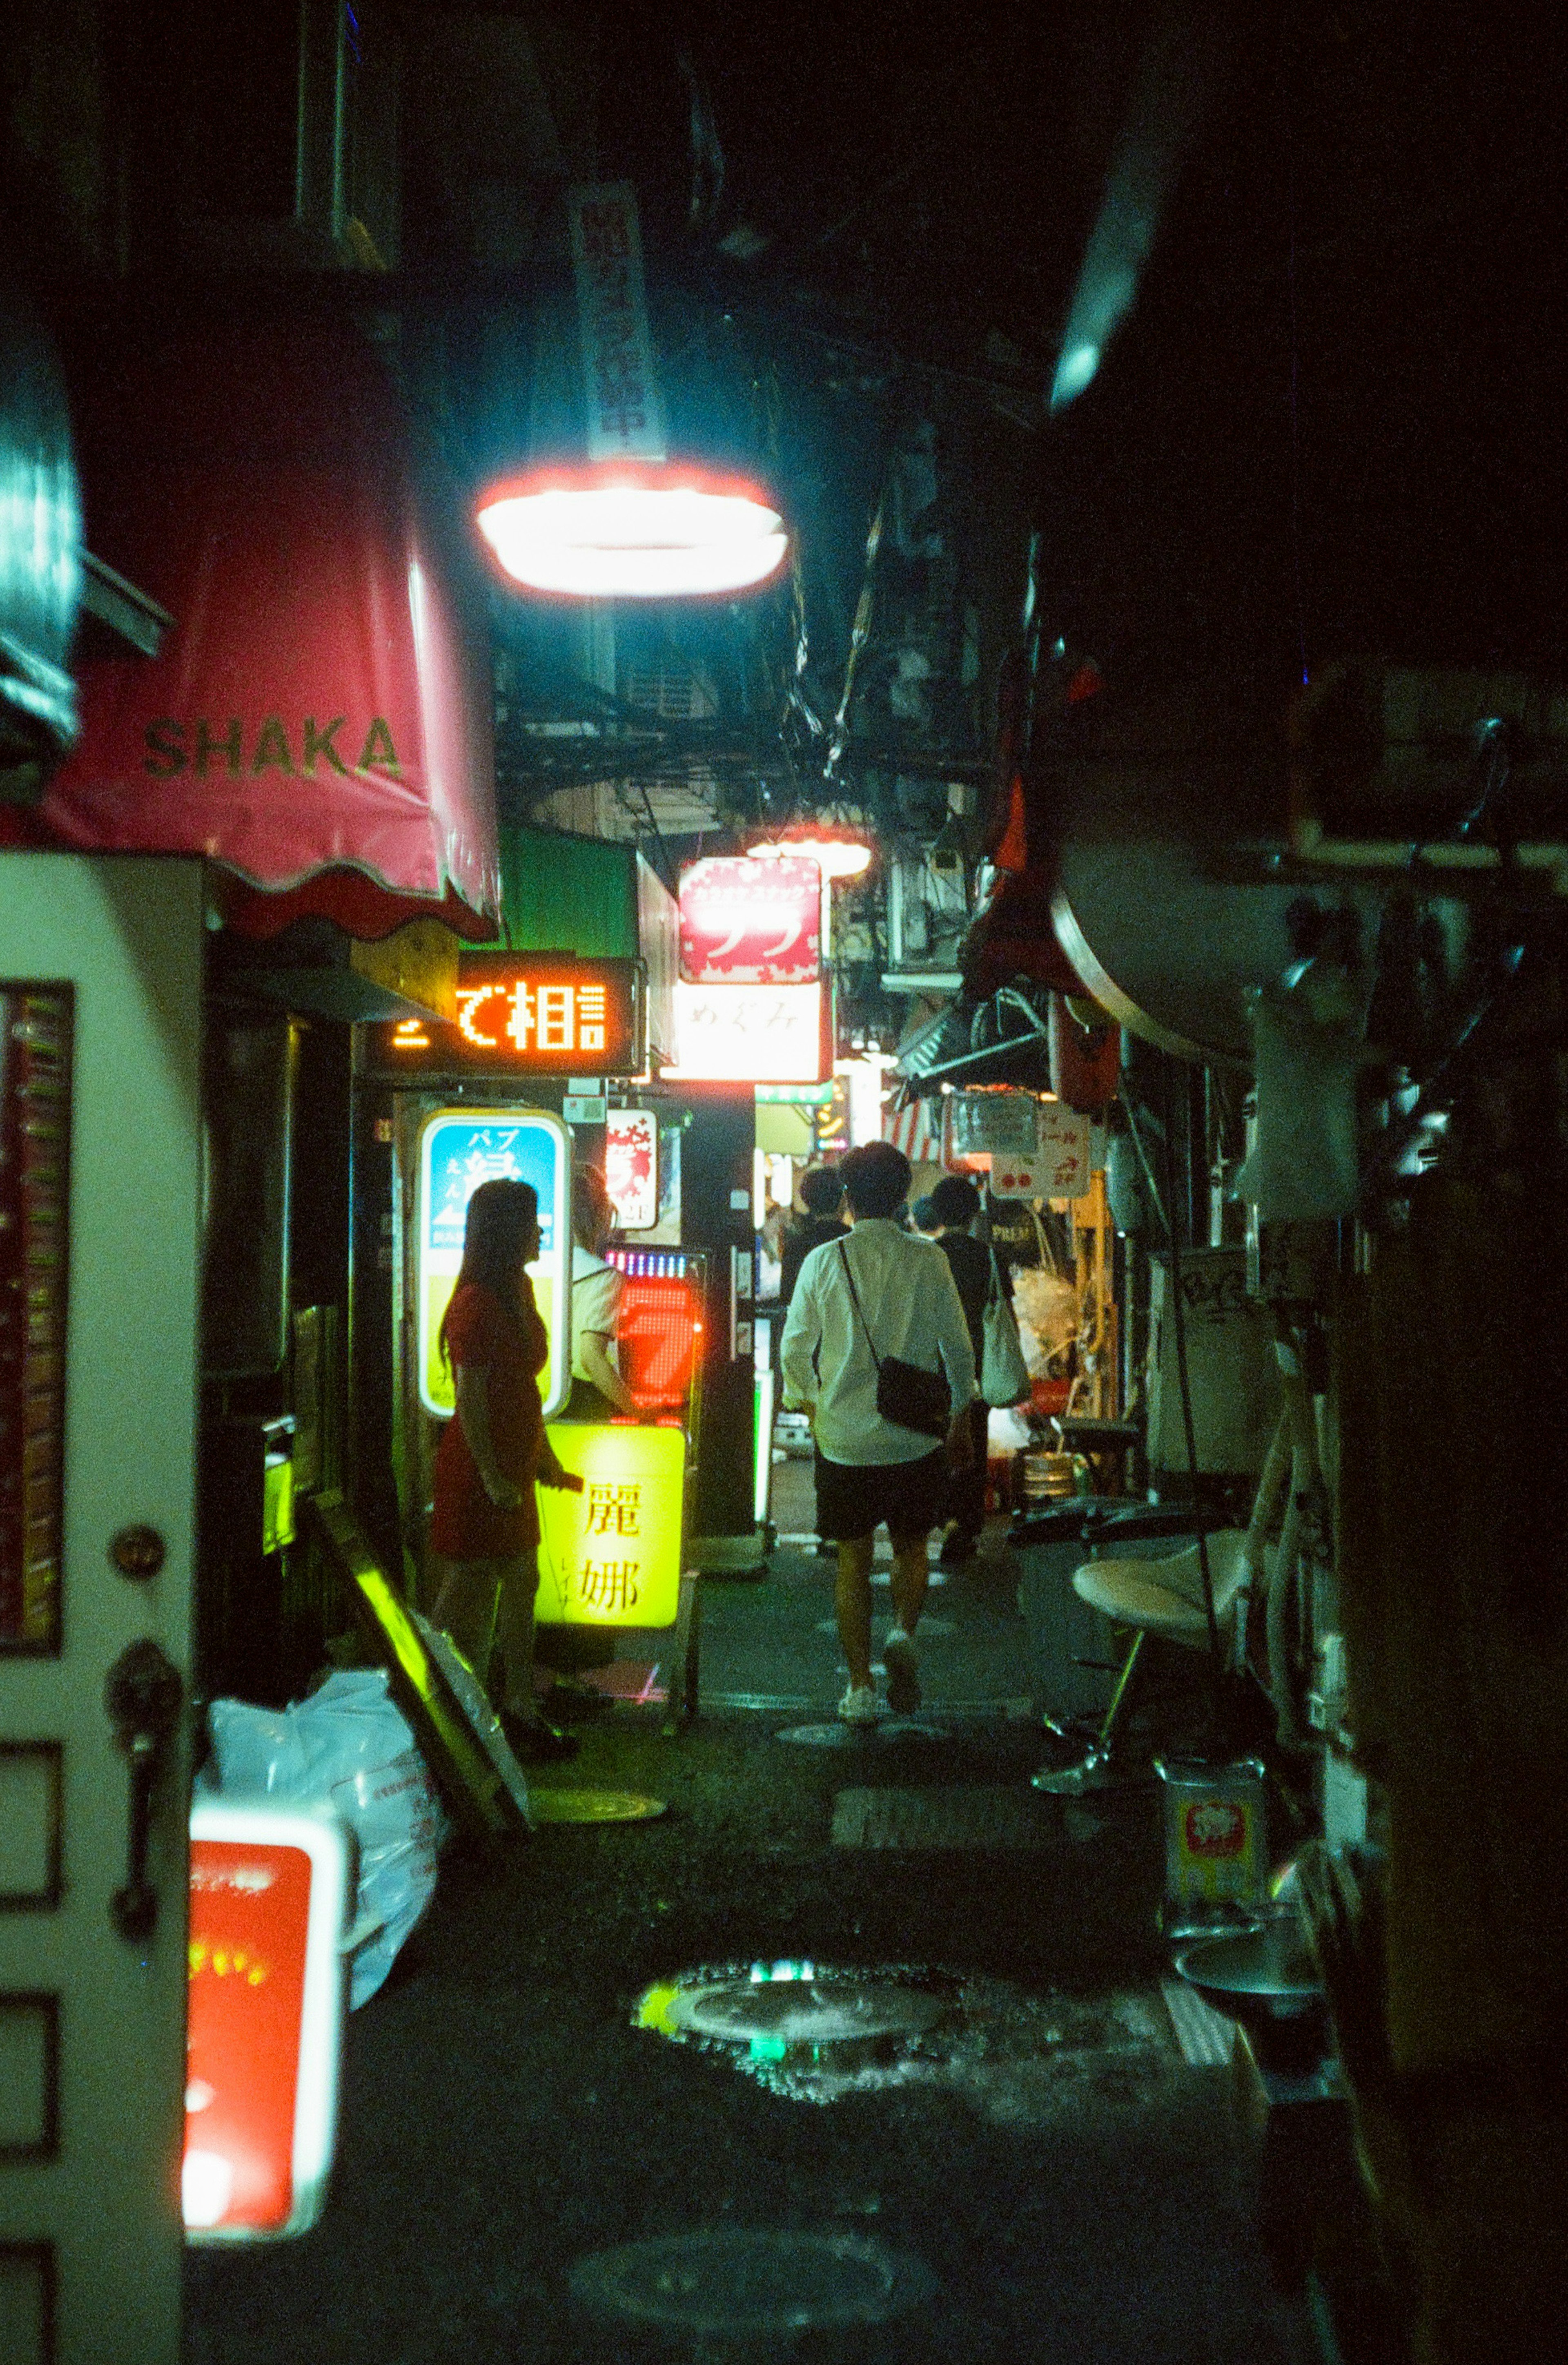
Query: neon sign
<point>531,1014</point>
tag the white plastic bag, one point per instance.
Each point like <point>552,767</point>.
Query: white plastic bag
<point>349,1745</point>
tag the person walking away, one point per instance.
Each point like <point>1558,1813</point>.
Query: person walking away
<point>953,1204</point>
<point>598,1389</point>
<point>484,1532</point>
<point>871,1471</point>
<point>821,1195</point>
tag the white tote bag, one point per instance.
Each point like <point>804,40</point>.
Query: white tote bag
<point>1004,1375</point>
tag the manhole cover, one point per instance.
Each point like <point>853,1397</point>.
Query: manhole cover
<point>787,2011</point>
<point>826,1736</point>
<point>592,1806</point>
<point>751,2285</point>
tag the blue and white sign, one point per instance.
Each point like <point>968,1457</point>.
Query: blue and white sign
<point>460,1148</point>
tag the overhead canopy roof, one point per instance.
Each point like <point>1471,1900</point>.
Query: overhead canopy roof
<point>318,719</point>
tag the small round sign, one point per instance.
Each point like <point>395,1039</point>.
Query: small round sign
<point>753,2285</point>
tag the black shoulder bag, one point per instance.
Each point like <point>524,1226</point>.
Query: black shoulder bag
<point>906,1395</point>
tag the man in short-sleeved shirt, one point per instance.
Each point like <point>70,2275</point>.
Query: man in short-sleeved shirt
<point>869,1469</point>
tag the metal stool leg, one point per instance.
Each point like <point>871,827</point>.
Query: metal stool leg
<point>680,1699</point>
<point>1095,1770</point>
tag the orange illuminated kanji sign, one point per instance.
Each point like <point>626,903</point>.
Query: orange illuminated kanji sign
<point>536,1014</point>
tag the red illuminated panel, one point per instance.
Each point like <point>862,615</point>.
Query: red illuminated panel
<point>531,1014</point>
<point>656,1332</point>
<point>268,1891</point>
<point>747,922</point>
<point>250,1912</point>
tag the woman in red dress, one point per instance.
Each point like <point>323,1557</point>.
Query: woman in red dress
<point>484,1533</point>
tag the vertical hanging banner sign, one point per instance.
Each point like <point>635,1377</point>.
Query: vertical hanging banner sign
<point>625,416</point>
<point>631,1167</point>
<point>460,1148</point>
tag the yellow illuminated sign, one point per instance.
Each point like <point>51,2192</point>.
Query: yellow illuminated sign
<point>610,1556</point>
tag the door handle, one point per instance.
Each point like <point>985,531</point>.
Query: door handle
<point>143,1694</point>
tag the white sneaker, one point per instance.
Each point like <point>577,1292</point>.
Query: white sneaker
<point>903,1674</point>
<point>858,1705</point>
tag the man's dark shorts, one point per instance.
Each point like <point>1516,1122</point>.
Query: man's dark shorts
<point>854,1498</point>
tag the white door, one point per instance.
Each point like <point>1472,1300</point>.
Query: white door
<point>100,1209</point>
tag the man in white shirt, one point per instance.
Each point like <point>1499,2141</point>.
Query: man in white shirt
<point>872,1470</point>
<point>598,1389</point>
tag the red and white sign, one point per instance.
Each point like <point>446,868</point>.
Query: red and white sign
<point>268,1981</point>
<point>749,1033</point>
<point>744,923</point>
<point>631,1167</point>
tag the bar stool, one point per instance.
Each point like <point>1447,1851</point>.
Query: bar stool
<point>1153,1596</point>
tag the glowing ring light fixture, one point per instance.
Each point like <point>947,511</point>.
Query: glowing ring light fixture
<point>645,532</point>
<point>837,854</point>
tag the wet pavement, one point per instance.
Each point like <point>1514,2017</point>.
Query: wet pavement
<point>1022,2165</point>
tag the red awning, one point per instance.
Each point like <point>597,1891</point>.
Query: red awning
<point>317,721</point>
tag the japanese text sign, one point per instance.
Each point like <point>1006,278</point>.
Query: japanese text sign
<point>528,1013</point>
<point>460,1148</point>
<point>610,1556</point>
<point>750,1034</point>
<point>631,1167</point>
<point>267,1976</point>
<point>747,922</point>
<point>625,414</point>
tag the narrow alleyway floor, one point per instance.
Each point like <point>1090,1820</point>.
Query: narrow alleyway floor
<point>1035,2171</point>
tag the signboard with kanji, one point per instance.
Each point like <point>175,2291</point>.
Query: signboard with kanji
<point>528,1013</point>
<point>747,922</point>
<point>610,1556</point>
<point>625,414</point>
<point>460,1148</point>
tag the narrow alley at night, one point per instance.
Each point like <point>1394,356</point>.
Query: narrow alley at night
<point>783,1183</point>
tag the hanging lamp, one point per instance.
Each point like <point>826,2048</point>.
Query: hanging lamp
<point>628,521</point>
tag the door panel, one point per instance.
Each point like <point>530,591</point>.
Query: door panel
<point>100,1207</point>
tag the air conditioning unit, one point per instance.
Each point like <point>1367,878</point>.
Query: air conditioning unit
<point>288,153</point>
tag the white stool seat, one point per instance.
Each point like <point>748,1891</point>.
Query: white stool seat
<point>1166,1596</point>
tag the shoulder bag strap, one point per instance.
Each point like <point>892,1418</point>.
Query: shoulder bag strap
<point>855,1293</point>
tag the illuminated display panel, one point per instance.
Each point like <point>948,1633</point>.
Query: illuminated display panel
<point>460,1148</point>
<point>534,1013</point>
<point>749,1033</point>
<point>631,1167</point>
<point>749,923</point>
<point>610,1556</point>
<point>268,1891</point>
<point>658,1325</point>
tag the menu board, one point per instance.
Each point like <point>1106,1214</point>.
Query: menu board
<point>36,1026</point>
